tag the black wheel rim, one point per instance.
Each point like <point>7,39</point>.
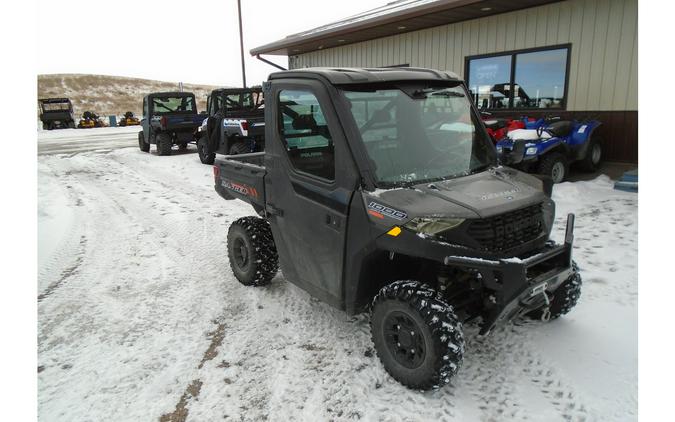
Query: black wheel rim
<point>404,339</point>
<point>241,255</point>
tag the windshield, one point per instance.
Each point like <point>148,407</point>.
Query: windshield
<point>163,105</point>
<point>239,101</point>
<point>418,134</point>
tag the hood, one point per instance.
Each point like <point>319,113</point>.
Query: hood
<point>491,192</point>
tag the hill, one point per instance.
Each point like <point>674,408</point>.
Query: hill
<point>108,95</point>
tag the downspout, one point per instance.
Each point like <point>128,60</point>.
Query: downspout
<point>257,56</point>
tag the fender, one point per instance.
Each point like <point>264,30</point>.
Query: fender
<point>582,139</point>
<point>551,144</point>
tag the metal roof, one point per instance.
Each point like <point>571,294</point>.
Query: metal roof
<point>393,18</point>
<point>344,76</point>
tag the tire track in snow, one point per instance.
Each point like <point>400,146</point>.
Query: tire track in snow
<point>118,209</point>
<point>495,370</point>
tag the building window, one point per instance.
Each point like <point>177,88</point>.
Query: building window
<point>305,134</point>
<point>526,79</point>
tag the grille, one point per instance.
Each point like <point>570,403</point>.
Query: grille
<point>508,230</point>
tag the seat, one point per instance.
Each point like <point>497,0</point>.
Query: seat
<point>560,129</point>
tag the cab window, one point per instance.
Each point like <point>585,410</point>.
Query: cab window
<point>305,134</point>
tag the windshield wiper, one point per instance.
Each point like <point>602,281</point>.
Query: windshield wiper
<point>448,94</point>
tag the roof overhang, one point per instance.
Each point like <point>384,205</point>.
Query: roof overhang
<point>392,19</point>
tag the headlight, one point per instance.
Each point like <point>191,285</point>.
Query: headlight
<point>432,225</point>
<point>531,151</point>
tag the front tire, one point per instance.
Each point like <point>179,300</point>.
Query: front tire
<point>203,151</point>
<point>164,144</point>
<point>555,166</point>
<point>416,334</point>
<point>253,255</point>
<point>142,145</point>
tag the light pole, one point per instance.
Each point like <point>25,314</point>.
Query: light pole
<point>241,46</point>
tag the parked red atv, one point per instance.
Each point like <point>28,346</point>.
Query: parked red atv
<point>498,128</point>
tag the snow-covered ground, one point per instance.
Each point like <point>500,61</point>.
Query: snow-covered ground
<point>140,318</point>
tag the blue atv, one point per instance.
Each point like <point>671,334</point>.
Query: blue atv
<point>549,146</point>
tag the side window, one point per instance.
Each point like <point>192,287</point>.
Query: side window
<point>305,134</point>
<point>145,107</point>
<point>208,105</point>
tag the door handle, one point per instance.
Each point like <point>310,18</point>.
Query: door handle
<point>332,222</point>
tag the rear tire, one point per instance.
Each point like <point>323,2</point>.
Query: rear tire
<point>591,162</point>
<point>253,255</point>
<point>416,334</point>
<point>555,166</point>
<point>239,147</point>
<point>203,151</point>
<point>142,145</point>
<point>164,144</point>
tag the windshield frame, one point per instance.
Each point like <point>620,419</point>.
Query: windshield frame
<point>358,146</point>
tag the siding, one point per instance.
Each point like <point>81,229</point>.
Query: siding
<point>603,34</point>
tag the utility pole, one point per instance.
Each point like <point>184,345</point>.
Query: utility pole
<point>241,46</point>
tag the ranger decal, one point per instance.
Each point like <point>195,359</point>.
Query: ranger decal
<point>240,188</point>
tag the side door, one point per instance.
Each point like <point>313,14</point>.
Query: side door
<point>310,183</point>
<point>145,120</point>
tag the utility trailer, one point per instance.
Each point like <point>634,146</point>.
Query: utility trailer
<point>56,113</point>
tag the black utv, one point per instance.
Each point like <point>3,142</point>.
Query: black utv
<point>235,123</point>
<point>56,113</point>
<point>379,191</point>
<point>169,118</point>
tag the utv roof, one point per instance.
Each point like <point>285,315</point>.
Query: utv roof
<point>342,76</point>
<point>237,90</point>
<point>171,94</point>
<point>54,100</point>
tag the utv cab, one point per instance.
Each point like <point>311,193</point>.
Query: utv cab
<point>169,118</point>
<point>56,113</point>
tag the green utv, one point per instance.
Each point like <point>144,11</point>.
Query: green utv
<point>379,191</point>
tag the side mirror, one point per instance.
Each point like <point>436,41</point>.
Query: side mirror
<point>516,154</point>
<point>518,148</point>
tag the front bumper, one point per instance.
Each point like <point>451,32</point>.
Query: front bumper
<point>519,284</point>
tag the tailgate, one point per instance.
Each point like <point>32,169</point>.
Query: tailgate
<point>242,178</point>
<point>183,121</point>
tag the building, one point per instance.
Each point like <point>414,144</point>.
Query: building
<point>573,58</point>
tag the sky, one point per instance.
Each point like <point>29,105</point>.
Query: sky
<point>189,41</point>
